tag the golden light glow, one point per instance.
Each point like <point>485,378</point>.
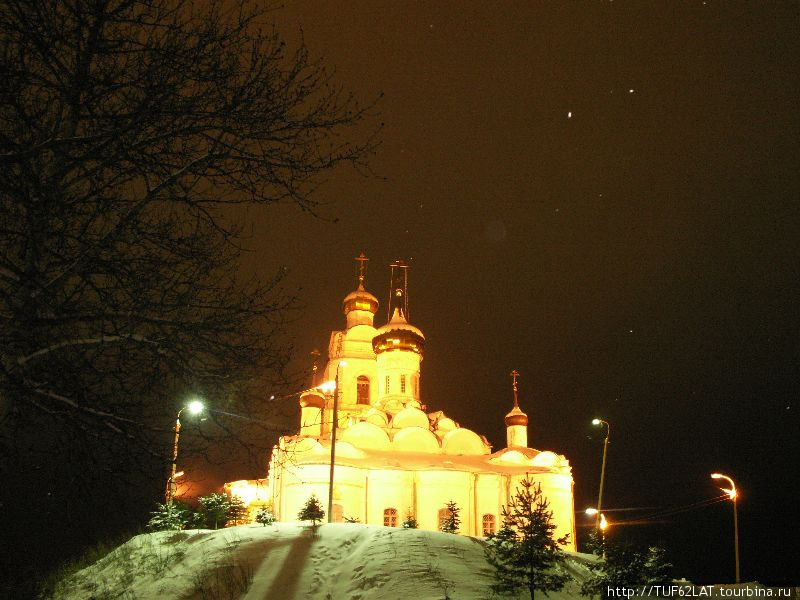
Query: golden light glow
<point>328,386</point>
<point>603,522</point>
<point>178,474</point>
<point>591,511</point>
<point>195,407</point>
<point>731,492</point>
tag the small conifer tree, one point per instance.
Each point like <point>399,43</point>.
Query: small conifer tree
<point>170,516</point>
<point>624,565</point>
<point>410,522</point>
<point>312,511</point>
<point>265,516</point>
<point>238,514</point>
<point>215,508</point>
<point>523,551</point>
<point>451,521</point>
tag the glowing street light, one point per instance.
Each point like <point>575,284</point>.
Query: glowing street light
<point>194,407</point>
<point>732,495</point>
<point>603,523</point>
<point>333,434</point>
<point>598,422</point>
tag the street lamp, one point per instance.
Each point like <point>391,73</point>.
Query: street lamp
<point>732,495</point>
<point>333,437</point>
<point>195,407</point>
<point>597,422</point>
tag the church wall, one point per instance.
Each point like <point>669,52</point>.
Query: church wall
<point>436,488</point>
<point>297,485</point>
<point>490,496</point>
<point>388,488</point>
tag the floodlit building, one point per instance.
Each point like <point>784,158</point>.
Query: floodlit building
<point>395,455</point>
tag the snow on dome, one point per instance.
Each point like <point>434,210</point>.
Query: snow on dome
<point>546,459</point>
<point>410,417</point>
<point>360,299</point>
<point>376,417</point>
<point>446,424</point>
<point>366,436</point>
<point>313,398</point>
<point>345,450</point>
<point>515,456</point>
<point>463,441</point>
<point>416,439</point>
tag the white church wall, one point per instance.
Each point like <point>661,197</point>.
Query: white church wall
<point>388,488</point>
<point>436,488</point>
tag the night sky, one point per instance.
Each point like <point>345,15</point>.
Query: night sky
<point>603,196</point>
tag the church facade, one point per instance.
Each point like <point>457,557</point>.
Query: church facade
<point>394,456</point>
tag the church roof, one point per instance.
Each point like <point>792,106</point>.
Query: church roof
<point>360,299</point>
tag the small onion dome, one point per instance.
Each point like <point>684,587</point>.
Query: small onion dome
<point>360,299</point>
<point>312,398</point>
<point>397,334</point>
<point>516,417</point>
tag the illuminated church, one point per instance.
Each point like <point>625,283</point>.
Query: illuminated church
<point>394,455</point>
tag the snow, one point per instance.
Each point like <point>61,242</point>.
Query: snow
<point>292,561</point>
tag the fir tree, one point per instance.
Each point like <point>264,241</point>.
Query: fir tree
<point>451,520</point>
<point>523,551</point>
<point>171,516</point>
<point>624,565</point>
<point>238,514</point>
<point>265,516</point>
<point>312,511</point>
<point>410,522</point>
<point>214,508</point>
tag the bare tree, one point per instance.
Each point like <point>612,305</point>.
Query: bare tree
<point>128,128</point>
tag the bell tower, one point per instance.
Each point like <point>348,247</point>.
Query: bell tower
<point>398,347</point>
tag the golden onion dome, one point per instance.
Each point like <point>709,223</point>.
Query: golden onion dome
<point>360,299</point>
<point>516,417</point>
<point>398,334</point>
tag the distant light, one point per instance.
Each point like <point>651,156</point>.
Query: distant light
<point>591,511</point>
<point>272,397</point>
<point>596,421</point>
<point>195,407</point>
<point>569,115</point>
<point>603,522</point>
<point>630,91</point>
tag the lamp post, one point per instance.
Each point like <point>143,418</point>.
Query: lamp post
<point>732,495</point>
<point>597,422</point>
<point>334,425</point>
<point>195,407</point>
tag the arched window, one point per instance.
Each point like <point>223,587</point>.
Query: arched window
<point>362,389</point>
<point>390,517</point>
<point>402,384</point>
<point>338,513</point>
<point>415,380</point>
<point>387,384</point>
<point>488,525</point>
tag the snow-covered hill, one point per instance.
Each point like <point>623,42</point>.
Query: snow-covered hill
<point>292,561</point>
